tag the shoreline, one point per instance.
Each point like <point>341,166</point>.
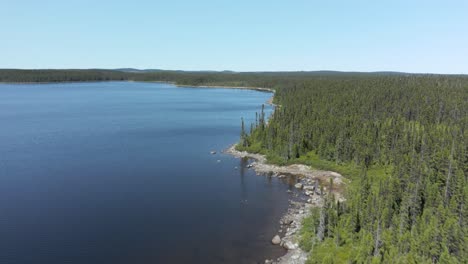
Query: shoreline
<point>308,180</point>
<point>262,89</point>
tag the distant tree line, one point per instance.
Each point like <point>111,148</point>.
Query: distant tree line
<point>31,76</point>
<point>226,78</point>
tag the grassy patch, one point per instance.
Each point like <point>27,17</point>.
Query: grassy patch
<point>328,252</point>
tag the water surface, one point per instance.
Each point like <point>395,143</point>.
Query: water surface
<point>120,172</point>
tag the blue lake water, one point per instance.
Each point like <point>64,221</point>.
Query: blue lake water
<point>121,172</point>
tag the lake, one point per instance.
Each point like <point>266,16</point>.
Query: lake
<point>121,172</point>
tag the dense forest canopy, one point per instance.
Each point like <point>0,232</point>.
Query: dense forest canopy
<point>400,139</point>
<point>402,143</point>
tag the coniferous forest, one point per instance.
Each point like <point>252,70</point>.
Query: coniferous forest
<point>402,143</point>
<point>400,140</point>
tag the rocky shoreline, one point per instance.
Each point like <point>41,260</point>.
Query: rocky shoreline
<point>307,182</point>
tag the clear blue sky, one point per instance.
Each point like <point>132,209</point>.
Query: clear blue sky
<point>240,35</point>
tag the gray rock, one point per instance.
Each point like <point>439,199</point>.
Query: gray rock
<point>298,185</point>
<point>287,221</point>
<point>289,245</point>
<point>213,152</point>
<point>276,240</point>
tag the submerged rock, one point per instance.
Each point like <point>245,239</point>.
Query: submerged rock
<point>276,240</point>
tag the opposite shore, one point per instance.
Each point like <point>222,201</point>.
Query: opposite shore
<point>263,89</point>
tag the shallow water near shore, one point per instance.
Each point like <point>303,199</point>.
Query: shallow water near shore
<point>121,172</point>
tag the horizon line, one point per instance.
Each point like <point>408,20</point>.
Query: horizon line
<point>129,69</point>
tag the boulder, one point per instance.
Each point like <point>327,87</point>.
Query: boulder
<point>276,240</point>
<point>213,152</point>
<point>334,174</point>
<point>298,185</point>
<point>289,245</point>
<point>287,221</point>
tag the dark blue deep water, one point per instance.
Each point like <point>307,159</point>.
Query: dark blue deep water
<point>120,172</point>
